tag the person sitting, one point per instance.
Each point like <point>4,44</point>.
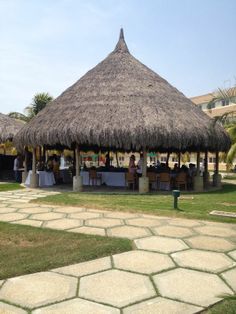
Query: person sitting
<point>132,167</point>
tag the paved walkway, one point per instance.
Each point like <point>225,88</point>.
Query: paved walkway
<point>178,266</point>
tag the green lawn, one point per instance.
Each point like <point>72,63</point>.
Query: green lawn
<point>10,186</point>
<point>25,249</point>
<point>224,307</point>
<point>194,205</point>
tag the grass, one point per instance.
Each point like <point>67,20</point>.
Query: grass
<point>10,187</point>
<point>194,205</point>
<point>227,306</point>
<point>230,177</point>
<point>26,249</point>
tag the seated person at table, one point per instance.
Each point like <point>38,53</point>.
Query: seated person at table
<point>140,166</point>
<point>49,166</point>
<point>40,165</point>
<point>132,167</point>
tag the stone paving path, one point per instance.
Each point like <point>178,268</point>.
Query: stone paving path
<point>178,266</point>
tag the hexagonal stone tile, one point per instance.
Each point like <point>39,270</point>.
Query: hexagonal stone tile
<point>89,230</point>
<point>68,210</point>
<point>161,306</point>
<point>210,243</point>
<point>77,306</point>
<point>86,268</point>
<point>129,232</point>
<point>142,261</point>
<point>121,215</point>
<point>160,244</point>
<point>216,231</point>
<point>20,205</point>
<point>184,222</point>
<point>233,254</point>
<point>47,216</point>
<point>143,222</point>
<point>191,286</point>
<point>63,224</point>
<point>4,210</point>
<point>29,222</point>
<point>115,287</point>
<point>34,210</point>
<point>104,222</point>
<point>172,231</point>
<point>1,282</point>
<point>10,309</point>
<point>84,215</point>
<point>12,216</point>
<point>38,289</point>
<point>230,277</point>
<point>203,260</point>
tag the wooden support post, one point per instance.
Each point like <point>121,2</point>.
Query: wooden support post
<point>198,163</point>
<point>179,157</point>
<point>77,180</point>
<point>167,159</point>
<point>217,163</point>
<point>34,161</point>
<point>77,161</point>
<point>144,173</point>
<point>216,175</point>
<point>34,178</point>
<point>205,175</point>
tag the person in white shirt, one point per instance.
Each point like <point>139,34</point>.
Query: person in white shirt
<point>16,169</point>
<point>140,166</point>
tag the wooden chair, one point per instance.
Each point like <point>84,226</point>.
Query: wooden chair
<point>94,177</point>
<point>181,180</point>
<point>130,179</point>
<point>152,176</point>
<point>164,179</point>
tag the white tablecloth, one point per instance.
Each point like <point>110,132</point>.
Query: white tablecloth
<point>109,178</point>
<point>45,178</point>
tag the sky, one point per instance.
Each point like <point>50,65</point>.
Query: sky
<point>47,45</point>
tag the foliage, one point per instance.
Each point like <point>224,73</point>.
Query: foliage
<point>39,102</point>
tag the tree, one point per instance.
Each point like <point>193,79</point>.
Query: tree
<point>39,102</point>
<point>228,120</point>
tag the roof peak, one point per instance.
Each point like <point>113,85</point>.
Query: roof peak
<point>121,46</point>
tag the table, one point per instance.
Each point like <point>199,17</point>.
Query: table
<point>109,178</point>
<point>45,178</point>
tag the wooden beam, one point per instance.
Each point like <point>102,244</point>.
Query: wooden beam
<point>144,173</point>
<point>34,160</point>
<point>77,160</point>
<point>217,163</point>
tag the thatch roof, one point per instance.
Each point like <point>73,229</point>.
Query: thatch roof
<point>8,127</point>
<point>122,104</point>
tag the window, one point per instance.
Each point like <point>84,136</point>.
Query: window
<point>163,159</point>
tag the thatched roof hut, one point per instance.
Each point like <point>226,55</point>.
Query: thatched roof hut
<point>122,104</point>
<point>8,127</point>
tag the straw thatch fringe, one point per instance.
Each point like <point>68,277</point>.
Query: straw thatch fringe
<point>123,104</point>
<point>8,127</point>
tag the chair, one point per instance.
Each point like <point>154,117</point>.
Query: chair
<point>152,176</point>
<point>130,179</point>
<point>164,181</point>
<point>181,180</point>
<point>94,177</point>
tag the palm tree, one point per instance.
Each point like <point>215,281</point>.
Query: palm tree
<point>40,101</point>
<point>228,120</point>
